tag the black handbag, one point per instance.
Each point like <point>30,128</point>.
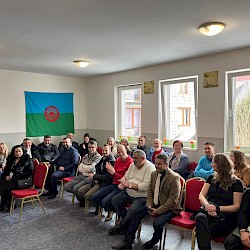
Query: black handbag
<point>25,183</point>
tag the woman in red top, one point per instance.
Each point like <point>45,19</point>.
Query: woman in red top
<point>103,196</point>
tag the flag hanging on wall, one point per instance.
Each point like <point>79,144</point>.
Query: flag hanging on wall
<point>49,113</point>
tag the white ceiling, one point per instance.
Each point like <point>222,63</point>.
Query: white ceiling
<point>45,36</point>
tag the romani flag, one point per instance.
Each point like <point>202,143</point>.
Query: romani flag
<point>49,113</point>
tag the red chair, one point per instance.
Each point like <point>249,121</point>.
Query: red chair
<point>99,150</point>
<point>31,194</point>
<point>192,166</point>
<point>35,163</point>
<point>65,180</point>
<point>193,188</point>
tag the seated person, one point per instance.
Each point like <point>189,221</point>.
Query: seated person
<point>162,203</point>
<point>204,168</point>
<point>30,148</point>
<point>156,150</point>
<point>178,161</point>
<point>240,237</point>
<point>100,179</point>
<point>86,167</point>
<point>83,147</point>
<point>111,142</point>
<point>125,143</point>
<point>134,185</point>
<point>242,169</point>
<point>18,166</point>
<point>3,157</point>
<point>65,164</point>
<point>73,143</point>
<point>221,198</point>
<point>142,145</point>
<point>47,151</point>
<point>103,196</point>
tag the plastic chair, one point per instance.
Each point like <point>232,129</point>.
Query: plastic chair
<point>192,203</point>
<point>65,180</point>
<point>31,194</point>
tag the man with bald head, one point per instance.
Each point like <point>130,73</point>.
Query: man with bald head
<point>156,150</point>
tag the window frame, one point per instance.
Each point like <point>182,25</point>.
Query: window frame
<point>162,128</point>
<point>118,107</point>
<point>229,135</point>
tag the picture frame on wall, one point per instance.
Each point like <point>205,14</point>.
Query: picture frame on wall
<point>210,79</point>
<point>149,87</point>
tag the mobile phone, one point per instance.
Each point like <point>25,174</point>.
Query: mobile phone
<point>150,209</point>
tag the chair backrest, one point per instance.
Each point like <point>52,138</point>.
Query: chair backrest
<point>35,163</point>
<point>99,150</point>
<point>192,190</point>
<point>182,181</point>
<point>40,175</point>
<point>192,166</point>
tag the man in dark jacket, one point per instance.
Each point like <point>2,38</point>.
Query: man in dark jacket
<point>47,151</point>
<point>65,164</point>
<point>142,145</point>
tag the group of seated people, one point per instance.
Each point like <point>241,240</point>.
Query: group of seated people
<point>147,179</point>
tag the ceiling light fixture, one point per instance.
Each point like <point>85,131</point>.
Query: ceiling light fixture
<point>82,64</point>
<point>211,29</point>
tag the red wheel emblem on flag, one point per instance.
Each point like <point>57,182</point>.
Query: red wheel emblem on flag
<point>51,113</point>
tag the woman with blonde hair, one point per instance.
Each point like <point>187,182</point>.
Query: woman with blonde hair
<point>220,198</point>
<point>3,156</point>
<point>242,169</point>
<point>111,142</point>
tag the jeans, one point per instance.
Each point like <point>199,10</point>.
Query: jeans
<point>104,196</point>
<point>158,224</point>
<point>120,201</point>
<point>54,179</point>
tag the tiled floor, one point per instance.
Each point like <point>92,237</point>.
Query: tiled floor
<point>66,226</point>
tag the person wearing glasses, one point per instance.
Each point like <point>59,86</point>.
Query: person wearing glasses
<point>86,167</point>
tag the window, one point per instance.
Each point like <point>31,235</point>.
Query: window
<point>237,118</point>
<point>183,88</point>
<point>178,102</point>
<point>128,112</point>
<point>184,116</point>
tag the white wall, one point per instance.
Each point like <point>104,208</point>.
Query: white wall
<point>210,100</point>
<point>12,112</point>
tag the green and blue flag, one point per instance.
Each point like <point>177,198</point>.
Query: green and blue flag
<point>49,113</point>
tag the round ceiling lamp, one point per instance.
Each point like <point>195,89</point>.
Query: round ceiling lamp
<point>211,29</point>
<point>81,63</point>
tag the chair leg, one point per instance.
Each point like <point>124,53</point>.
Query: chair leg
<point>193,238</point>
<point>86,206</point>
<point>163,239</point>
<point>61,190</point>
<point>139,231</point>
<point>117,219</point>
<point>21,210</point>
<point>41,205</point>
<point>100,213</point>
<point>181,232</point>
<point>12,205</point>
<point>73,199</point>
